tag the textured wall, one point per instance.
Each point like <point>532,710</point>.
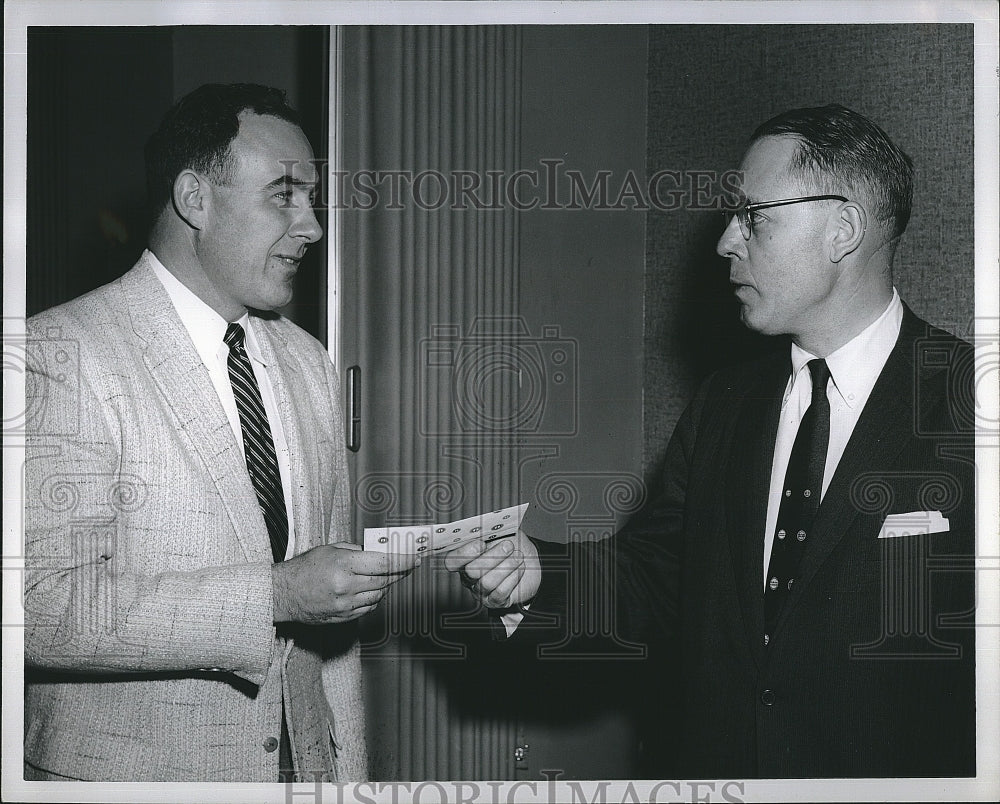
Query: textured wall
<point>710,86</point>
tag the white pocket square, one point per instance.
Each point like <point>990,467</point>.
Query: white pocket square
<point>911,524</point>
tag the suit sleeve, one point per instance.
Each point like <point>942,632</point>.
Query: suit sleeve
<point>630,581</point>
<point>83,612</point>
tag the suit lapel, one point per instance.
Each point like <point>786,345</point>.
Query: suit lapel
<point>185,386</point>
<point>883,430</point>
<point>747,482</point>
<point>285,374</point>
<point>308,709</point>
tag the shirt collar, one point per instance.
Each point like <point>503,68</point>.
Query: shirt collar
<point>855,366</point>
<point>205,326</point>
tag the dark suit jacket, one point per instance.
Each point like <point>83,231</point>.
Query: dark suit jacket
<point>870,669</point>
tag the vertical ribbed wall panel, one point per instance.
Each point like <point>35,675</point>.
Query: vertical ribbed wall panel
<point>439,99</point>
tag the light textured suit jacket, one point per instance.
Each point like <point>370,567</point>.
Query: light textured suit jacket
<point>149,644</point>
<point>870,669</point>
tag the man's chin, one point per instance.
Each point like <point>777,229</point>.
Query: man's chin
<point>281,294</point>
<point>271,305</point>
<point>752,322</point>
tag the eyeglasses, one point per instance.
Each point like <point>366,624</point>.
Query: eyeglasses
<point>744,214</point>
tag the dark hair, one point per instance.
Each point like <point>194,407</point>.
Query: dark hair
<point>197,131</point>
<point>848,154</point>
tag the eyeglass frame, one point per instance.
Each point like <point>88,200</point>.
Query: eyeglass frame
<point>742,213</point>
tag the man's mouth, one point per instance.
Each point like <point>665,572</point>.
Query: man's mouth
<point>290,261</point>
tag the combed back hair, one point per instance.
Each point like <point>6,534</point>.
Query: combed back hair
<point>846,154</point>
<point>196,134</point>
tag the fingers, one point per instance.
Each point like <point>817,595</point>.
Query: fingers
<point>502,581</point>
<point>457,559</point>
<point>493,575</point>
<point>356,584</point>
<point>501,574</point>
<point>339,582</point>
<point>366,562</point>
<point>368,600</point>
<point>489,559</point>
<point>352,605</point>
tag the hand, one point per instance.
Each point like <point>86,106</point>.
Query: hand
<point>502,574</point>
<point>335,583</point>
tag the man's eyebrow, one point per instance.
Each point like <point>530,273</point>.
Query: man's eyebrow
<point>286,181</point>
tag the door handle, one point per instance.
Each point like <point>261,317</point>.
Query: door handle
<point>353,422</point>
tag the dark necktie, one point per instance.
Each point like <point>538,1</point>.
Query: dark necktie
<point>799,497</point>
<point>258,446</point>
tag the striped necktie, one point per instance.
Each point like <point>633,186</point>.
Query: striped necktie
<point>800,496</point>
<point>258,446</point>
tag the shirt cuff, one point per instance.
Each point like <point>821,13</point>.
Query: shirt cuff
<point>511,620</point>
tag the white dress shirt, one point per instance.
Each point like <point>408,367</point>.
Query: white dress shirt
<point>207,330</point>
<point>854,368</point>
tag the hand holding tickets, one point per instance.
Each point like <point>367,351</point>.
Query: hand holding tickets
<point>496,561</point>
<point>501,574</point>
<point>334,583</point>
<point>424,539</point>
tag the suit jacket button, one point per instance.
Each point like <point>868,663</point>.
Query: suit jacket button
<point>270,744</point>
<point>767,697</point>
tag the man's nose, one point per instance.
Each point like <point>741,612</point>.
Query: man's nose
<point>306,226</point>
<point>731,243</point>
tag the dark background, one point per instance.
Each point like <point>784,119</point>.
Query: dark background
<point>94,97</point>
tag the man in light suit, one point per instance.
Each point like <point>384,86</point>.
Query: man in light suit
<point>191,590</point>
<point>796,637</point>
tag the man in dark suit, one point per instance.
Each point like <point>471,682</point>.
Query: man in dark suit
<point>805,570</point>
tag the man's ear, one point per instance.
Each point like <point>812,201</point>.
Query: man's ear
<point>849,225</point>
<point>190,198</point>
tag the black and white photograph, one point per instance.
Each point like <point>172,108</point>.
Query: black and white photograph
<point>501,401</point>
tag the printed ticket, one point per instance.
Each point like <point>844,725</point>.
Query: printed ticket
<point>441,538</point>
